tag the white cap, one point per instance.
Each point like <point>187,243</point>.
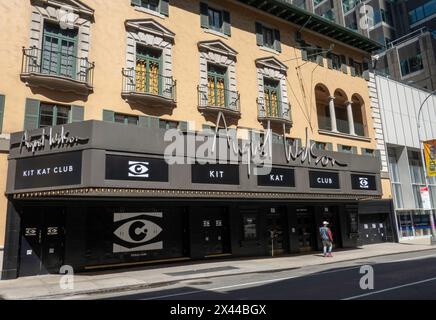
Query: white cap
<point>325,223</point>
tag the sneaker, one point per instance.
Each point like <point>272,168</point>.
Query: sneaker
<point>330,255</point>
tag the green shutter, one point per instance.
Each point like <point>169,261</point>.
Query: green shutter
<point>227,25</point>
<point>108,116</point>
<point>353,71</point>
<point>165,7</point>
<point>354,150</point>
<point>77,114</point>
<point>304,55</point>
<point>31,117</point>
<point>277,41</point>
<point>366,75</point>
<point>259,34</point>
<point>330,146</point>
<point>204,13</point>
<point>2,111</point>
<point>320,61</point>
<point>136,3</point>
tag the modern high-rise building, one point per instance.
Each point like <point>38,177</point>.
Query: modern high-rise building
<point>405,28</point>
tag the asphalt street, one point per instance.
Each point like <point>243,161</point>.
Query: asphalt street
<point>404,277</point>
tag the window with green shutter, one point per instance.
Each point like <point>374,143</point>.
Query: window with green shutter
<point>160,6</point>
<point>148,70</point>
<point>215,19</point>
<point>268,37</point>
<point>53,115</point>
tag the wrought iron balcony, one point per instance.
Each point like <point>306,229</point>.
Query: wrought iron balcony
<point>148,89</point>
<point>57,71</point>
<point>277,112</point>
<point>214,100</point>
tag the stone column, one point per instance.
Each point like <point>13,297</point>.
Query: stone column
<point>333,114</point>
<point>349,105</point>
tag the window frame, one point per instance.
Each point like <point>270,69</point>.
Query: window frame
<point>54,108</point>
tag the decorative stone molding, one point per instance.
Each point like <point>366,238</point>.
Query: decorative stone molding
<point>151,34</point>
<point>272,68</point>
<point>79,15</point>
<point>217,52</point>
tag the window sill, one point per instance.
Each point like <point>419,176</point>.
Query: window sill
<point>269,50</point>
<point>154,13</point>
<point>343,135</point>
<point>216,33</point>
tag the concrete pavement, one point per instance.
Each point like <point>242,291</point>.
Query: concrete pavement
<point>153,276</point>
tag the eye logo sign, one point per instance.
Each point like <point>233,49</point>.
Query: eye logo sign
<point>137,232</point>
<point>364,183</point>
<point>139,169</point>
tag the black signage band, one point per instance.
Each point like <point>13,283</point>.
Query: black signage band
<point>215,174</point>
<point>279,177</point>
<point>136,169</point>
<point>363,182</point>
<point>324,180</point>
<point>49,171</point>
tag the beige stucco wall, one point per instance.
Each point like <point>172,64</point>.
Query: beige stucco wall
<point>108,51</point>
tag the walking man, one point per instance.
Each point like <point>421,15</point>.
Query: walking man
<point>327,239</point>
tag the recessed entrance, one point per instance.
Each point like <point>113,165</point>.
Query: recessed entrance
<point>306,229</point>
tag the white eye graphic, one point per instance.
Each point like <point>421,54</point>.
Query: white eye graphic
<point>138,231</point>
<point>364,182</point>
<point>138,169</point>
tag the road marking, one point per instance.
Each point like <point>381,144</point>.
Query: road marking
<point>390,289</point>
<point>247,284</point>
<point>412,259</point>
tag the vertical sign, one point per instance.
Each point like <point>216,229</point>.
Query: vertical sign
<point>425,196</point>
<point>430,157</point>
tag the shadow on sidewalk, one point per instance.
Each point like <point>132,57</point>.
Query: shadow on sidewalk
<point>201,265</point>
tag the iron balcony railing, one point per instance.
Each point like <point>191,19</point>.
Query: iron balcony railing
<point>218,98</point>
<point>54,63</point>
<point>274,109</point>
<point>150,84</point>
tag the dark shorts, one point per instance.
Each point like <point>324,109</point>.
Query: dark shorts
<point>327,243</point>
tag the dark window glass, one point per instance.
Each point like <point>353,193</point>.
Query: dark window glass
<point>268,37</point>
<point>62,115</point>
<point>46,116</point>
<point>336,62</point>
<point>52,115</point>
<point>126,119</point>
<point>215,19</point>
<point>150,4</point>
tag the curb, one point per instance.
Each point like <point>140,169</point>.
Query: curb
<point>168,283</point>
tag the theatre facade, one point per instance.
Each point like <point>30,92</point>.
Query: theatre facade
<point>95,195</point>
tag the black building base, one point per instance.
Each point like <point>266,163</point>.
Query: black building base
<point>92,235</point>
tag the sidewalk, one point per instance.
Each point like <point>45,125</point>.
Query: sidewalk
<point>120,280</point>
